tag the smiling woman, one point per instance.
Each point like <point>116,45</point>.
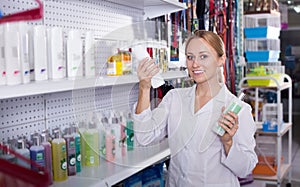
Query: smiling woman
<point>186,117</point>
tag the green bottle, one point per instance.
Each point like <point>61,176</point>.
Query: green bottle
<point>90,140</point>
<point>129,133</point>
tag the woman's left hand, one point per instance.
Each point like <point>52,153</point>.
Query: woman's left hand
<point>230,123</point>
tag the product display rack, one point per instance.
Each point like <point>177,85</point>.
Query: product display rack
<point>110,173</point>
<point>286,128</point>
<point>52,86</point>
<point>33,107</point>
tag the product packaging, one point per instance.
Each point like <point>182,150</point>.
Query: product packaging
<point>235,106</point>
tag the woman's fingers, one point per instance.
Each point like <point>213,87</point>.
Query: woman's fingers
<point>147,69</point>
<point>229,122</point>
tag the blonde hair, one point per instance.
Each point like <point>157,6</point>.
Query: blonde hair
<point>215,42</point>
<point>211,38</point>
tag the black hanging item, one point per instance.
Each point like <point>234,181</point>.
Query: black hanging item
<point>200,11</point>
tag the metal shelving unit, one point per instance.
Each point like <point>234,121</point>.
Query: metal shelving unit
<point>35,106</point>
<point>285,128</point>
<point>110,173</point>
<point>53,86</point>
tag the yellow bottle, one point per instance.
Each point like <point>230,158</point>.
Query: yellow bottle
<point>59,157</point>
<point>90,140</point>
<point>114,65</point>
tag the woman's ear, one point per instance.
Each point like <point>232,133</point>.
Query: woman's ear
<point>222,60</point>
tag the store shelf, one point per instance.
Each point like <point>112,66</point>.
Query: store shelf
<point>108,173</point>
<point>279,86</point>
<point>51,86</point>
<point>285,127</point>
<point>155,8</point>
<point>283,171</point>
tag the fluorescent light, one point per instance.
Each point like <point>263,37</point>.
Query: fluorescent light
<point>297,9</point>
<point>289,2</point>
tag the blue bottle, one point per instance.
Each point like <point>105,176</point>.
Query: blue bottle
<point>37,153</point>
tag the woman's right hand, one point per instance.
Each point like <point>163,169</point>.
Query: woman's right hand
<point>145,71</point>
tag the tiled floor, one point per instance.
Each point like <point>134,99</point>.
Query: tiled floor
<point>295,152</point>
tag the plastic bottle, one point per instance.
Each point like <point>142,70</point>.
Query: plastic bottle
<point>77,138</point>
<point>110,141</point>
<point>114,65</point>
<point>126,62</point>
<point>37,153</point>
<point>90,139</point>
<point>6,153</point>
<point>48,154</point>
<point>102,136</point>
<point>59,157</point>
<point>129,133</point>
<point>71,152</point>
<point>235,106</point>
<point>22,150</point>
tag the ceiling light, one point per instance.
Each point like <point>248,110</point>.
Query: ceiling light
<point>289,2</point>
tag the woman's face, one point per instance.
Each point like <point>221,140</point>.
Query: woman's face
<point>202,61</point>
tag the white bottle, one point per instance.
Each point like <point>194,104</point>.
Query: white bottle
<point>2,59</point>
<point>39,53</point>
<point>12,54</point>
<point>89,55</point>
<point>24,52</point>
<point>74,54</point>
<point>56,61</point>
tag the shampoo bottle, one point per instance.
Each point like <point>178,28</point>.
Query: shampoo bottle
<point>2,59</point>
<point>77,148</point>
<point>39,50</point>
<point>12,54</point>
<point>235,106</point>
<point>56,59</point>
<point>48,154</point>
<point>74,54</point>
<point>59,157</point>
<point>71,151</point>
<point>89,55</point>
<point>22,150</point>
<point>6,154</point>
<point>90,141</point>
<point>110,141</point>
<point>37,153</point>
<point>24,52</point>
<point>129,133</point>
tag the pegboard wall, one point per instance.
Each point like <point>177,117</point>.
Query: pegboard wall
<point>25,115</point>
<point>108,19</point>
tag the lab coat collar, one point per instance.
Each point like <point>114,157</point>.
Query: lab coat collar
<point>218,100</point>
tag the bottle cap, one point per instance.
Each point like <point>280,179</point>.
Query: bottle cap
<point>241,96</point>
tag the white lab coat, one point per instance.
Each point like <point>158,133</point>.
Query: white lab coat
<point>197,154</point>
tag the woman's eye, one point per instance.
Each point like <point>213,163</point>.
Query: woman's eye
<point>203,56</point>
<point>190,57</point>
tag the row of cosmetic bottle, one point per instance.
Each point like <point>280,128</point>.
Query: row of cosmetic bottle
<point>64,154</point>
<point>58,154</point>
<point>37,53</point>
<point>109,135</point>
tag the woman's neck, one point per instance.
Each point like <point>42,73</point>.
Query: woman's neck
<point>207,89</point>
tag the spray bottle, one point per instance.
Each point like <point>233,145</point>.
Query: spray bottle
<point>235,106</point>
